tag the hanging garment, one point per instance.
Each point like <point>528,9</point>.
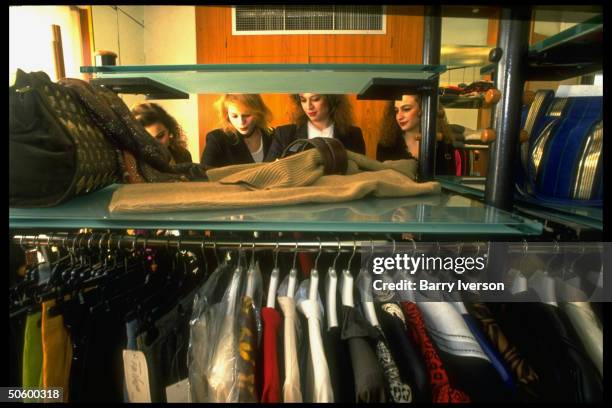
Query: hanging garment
<point>291,385</point>
<point>525,374</point>
<point>368,375</point>
<point>405,353</point>
<point>464,359</point>
<point>441,388</point>
<point>32,352</point>
<point>588,328</point>
<point>271,379</point>
<point>340,367</point>
<point>131,331</point>
<point>322,389</point>
<point>397,389</point>
<point>540,333</point>
<point>494,357</point>
<point>213,343</point>
<point>57,351</point>
<point>295,179</point>
<point>305,361</point>
<point>165,348</point>
<point>247,346</point>
<point>98,340</point>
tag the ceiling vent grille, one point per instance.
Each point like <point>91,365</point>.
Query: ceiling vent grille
<point>321,19</point>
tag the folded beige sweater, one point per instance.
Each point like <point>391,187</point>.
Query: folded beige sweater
<point>292,180</point>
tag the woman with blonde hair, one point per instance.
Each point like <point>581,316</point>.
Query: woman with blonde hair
<point>244,135</point>
<point>400,132</point>
<point>318,115</point>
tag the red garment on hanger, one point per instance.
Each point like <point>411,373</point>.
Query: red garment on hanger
<point>271,378</point>
<point>440,385</point>
<point>306,262</point>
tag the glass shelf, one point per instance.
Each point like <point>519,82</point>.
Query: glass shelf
<point>440,214</point>
<point>591,217</point>
<point>571,53</point>
<point>269,78</point>
<point>463,102</point>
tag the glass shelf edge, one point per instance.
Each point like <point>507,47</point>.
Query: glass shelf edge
<point>122,69</point>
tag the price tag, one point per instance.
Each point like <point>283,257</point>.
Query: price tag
<point>136,376</point>
<point>178,392</point>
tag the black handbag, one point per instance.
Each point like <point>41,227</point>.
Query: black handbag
<point>56,152</point>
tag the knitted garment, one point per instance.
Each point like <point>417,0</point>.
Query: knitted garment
<point>293,180</point>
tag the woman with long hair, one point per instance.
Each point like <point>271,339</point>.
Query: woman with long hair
<point>400,132</point>
<point>163,127</point>
<point>318,115</point>
<point>244,135</point>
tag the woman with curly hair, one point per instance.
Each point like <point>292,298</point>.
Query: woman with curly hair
<point>244,135</point>
<point>400,133</point>
<point>164,128</point>
<point>318,115</point>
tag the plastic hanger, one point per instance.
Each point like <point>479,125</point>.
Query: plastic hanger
<point>365,291</point>
<point>331,285</point>
<point>402,274</point>
<point>314,276</point>
<point>346,281</point>
<point>293,272</point>
<point>235,283</point>
<point>519,281</point>
<point>250,284</point>
<point>543,283</point>
<point>274,276</point>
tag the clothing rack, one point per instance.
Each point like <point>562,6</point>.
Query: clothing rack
<point>110,241</point>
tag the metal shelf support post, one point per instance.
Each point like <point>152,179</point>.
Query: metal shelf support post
<point>429,100</point>
<point>513,39</point>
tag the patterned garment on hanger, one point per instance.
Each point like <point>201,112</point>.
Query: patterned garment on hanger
<point>527,377</point>
<point>405,352</point>
<point>440,386</point>
<point>247,352</point>
<point>398,390</point>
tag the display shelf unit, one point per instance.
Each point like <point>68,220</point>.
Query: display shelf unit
<point>571,53</point>
<point>586,217</point>
<point>446,214</point>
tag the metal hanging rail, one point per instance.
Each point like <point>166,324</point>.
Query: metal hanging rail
<point>111,241</point>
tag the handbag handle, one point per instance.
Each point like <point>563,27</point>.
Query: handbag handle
<point>332,151</point>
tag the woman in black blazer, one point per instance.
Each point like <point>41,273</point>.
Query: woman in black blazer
<point>318,115</point>
<point>398,135</point>
<point>244,136</point>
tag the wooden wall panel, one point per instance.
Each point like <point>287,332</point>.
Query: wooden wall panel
<point>402,44</point>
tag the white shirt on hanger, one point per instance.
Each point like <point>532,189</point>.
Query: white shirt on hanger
<point>314,132</point>
<point>292,391</point>
<point>323,391</point>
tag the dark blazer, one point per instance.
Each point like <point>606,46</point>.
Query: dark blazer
<point>223,150</point>
<point>445,155</point>
<point>284,135</point>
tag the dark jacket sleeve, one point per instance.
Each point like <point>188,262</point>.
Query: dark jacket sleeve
<point>282,137</point>
<point>357,141</point>
<point>213,155</point>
